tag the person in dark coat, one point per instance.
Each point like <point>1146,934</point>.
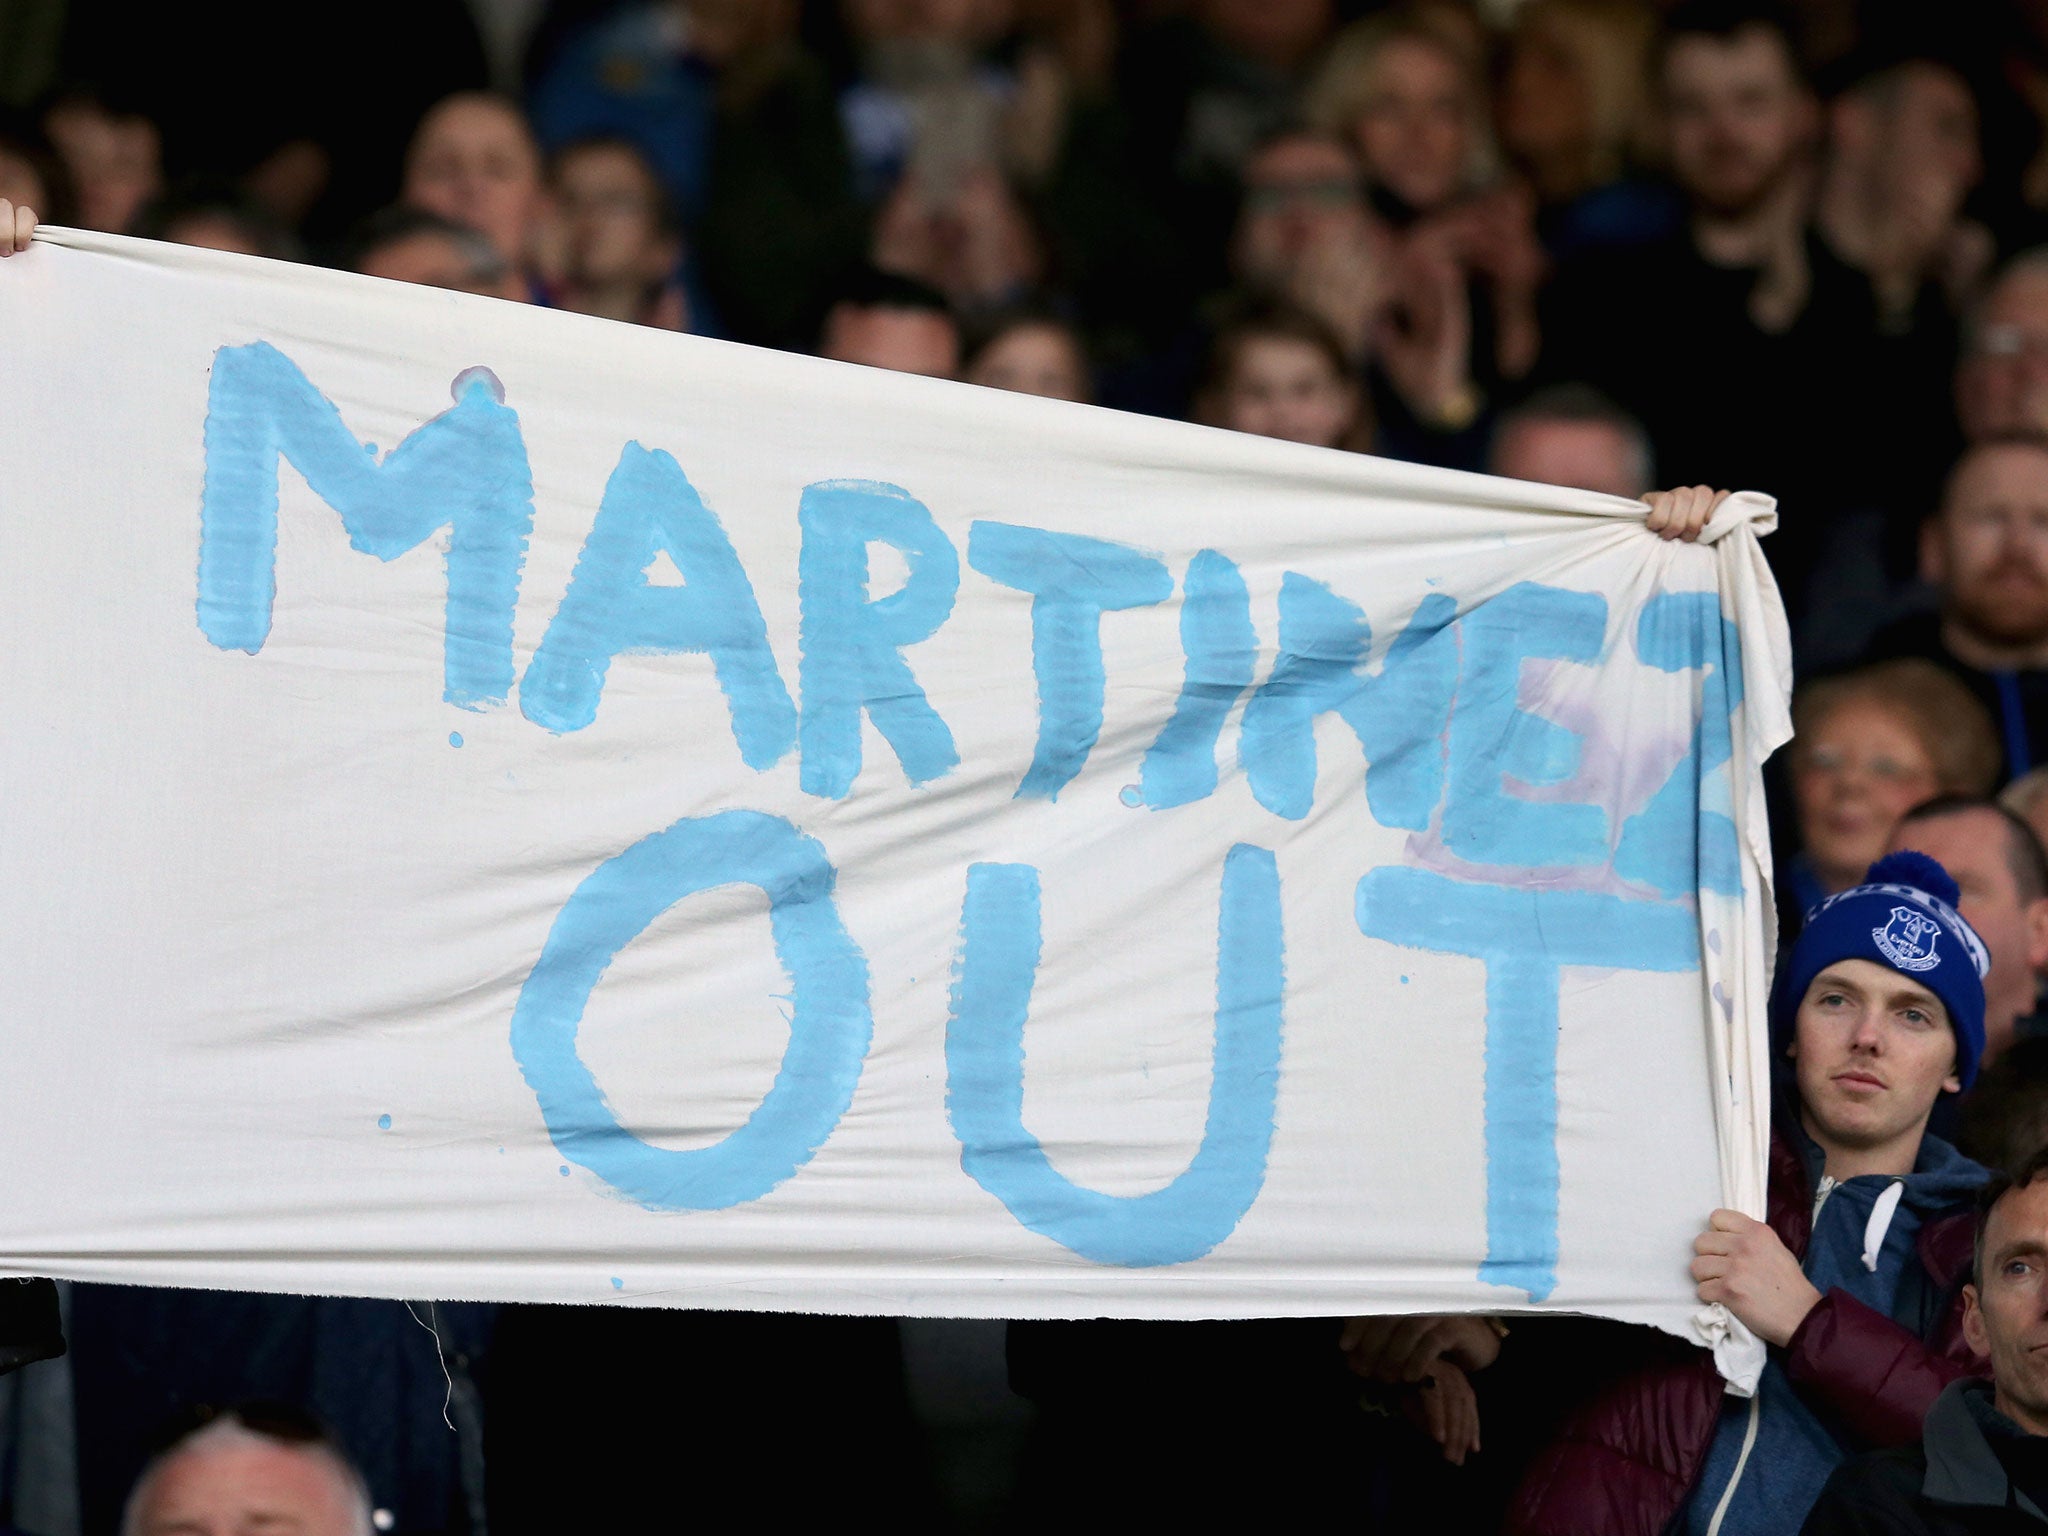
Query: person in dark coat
<point>1981,1465</point>
<point>1854,1281</point>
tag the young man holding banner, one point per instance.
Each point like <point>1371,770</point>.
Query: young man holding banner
<point>1856,1279</point>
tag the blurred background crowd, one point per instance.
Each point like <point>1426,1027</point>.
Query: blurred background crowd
<point>1606,243</point>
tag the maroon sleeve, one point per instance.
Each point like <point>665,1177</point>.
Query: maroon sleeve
<point>1874,1375</point>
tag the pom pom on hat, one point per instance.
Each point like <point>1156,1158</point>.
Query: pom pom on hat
<point>1910,867</point>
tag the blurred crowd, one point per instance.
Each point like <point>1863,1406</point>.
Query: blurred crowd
<point>1611,244</point>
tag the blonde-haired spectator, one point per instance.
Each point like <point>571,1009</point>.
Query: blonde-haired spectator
<point>1401,89</point>
<point>1867,747</point>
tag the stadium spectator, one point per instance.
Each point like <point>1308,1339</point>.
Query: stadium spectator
<point>964,232</point>
<point>885,321</point>
<point>1986,553</point>
<point>1031,351</point>
<point>411,245</point>
<point>1408,100</point>
<point>1998,864</point>
<point>257,1468</point>
<point>1852,1291</point>
<point>1867,747</point>
<point>1305,233</point>
<point>1570,434</point>
<point>620,249</point>
<point>1573,106</point>
<point>112,154</point>
<point>1769,323</point>
<point>928,96</point>
<point>1278,371</point>
<point>2001,383</point>
<point>1466,263</point>
<point>1978,1464</point>
<point>474,162</point>
<point>1902,157</point>
<point>216,218</point>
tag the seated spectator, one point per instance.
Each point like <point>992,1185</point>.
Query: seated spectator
<point>112,153</point>
<point>2001,382</point>
<point>1571,434</point>
<point>216,219</point>
<point>1402,89</point>
<point>964,232</point>
<point>1280,372</point>
<point>1879,1008</point>
<point>1202,89</point>
<point>1400,307</point>
<point>1774,329</point>
<point>1031,351</point>
<point>257,1468</point>
<point>413,246</point>
<point>1902,158</point>
<point>884,321</point>
<point>1305,233</point>
<point>473,161</point>
<point>1986,553</point>
<point>621,248</point>
<point>2003,875</point>
<point>928,97</point>
<point>1867,747</point>
<point>1573,107</point>
<point>1399,89</point>
<point>1981,1463</point>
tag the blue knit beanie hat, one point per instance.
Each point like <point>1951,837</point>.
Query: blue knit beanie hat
<point>1902,917</point>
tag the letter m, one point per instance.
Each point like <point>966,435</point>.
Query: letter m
<point>466,470</point>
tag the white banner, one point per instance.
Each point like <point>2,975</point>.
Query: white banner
<point>499,804</point>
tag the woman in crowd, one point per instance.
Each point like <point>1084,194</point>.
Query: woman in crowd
<point>1279,371</point>
<point>1402,89</point>
<point>1031,351</point>
<point>1867,747</point>
<point>1572,108</point>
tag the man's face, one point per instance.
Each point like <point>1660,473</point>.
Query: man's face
<point>1972,846</point>
<point>1988,550</point>
<point>610,225</point>
<point>1873,1051</point>
<point>244,1485</point>
<point>1586,455</point>
<point>473,161</point>
<point>430,258</point>
<point>1738,115</point>
<point>2005,1313</point>
<point>1301,195</point>
<point>2002,380</point>
<point>902,340</point>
